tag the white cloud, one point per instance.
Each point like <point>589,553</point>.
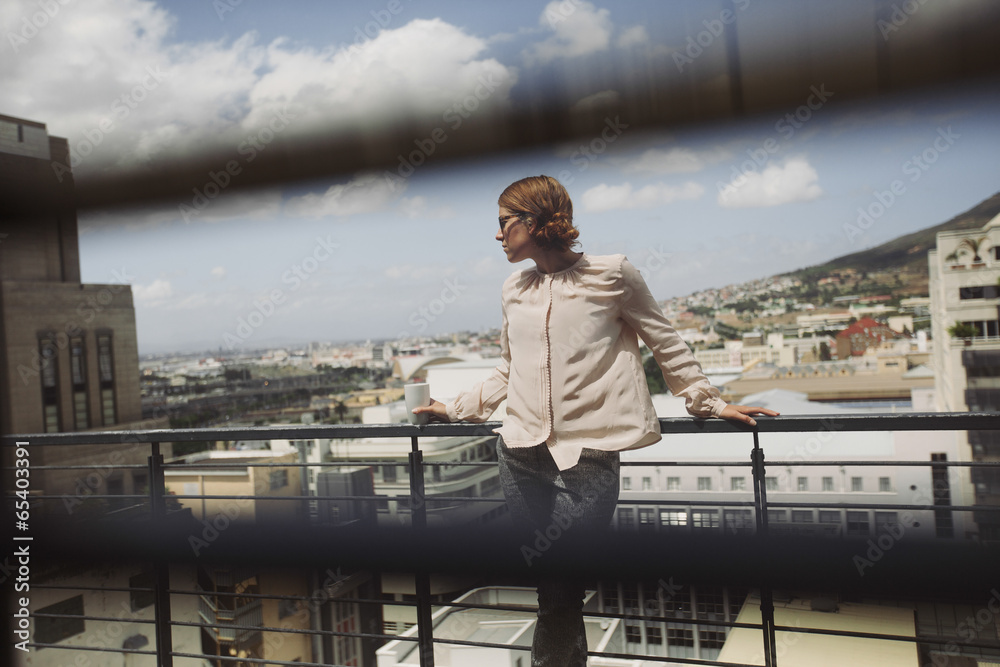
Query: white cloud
<point>418,207</point>
<point>606,197</point>
<point>362,194</point>
<point>633,36</point>
<point>111,61</point>
<point>219,272</point>
<point>674,160</point>
<point>579,29</point>
<point>795,180</point>
<point>156,292</point>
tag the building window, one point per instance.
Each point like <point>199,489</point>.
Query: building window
<point>20,133</point>
<point>106,376</point>
<point>279,479</point>
<point>884,485</point>
<point>802,516</point>
<point>887,522</point>
<point>857,523</point>
<point>739,521</point>
<point>771,483</point>
<point>633,634</point>
<point>654,635</point>
<point>680,637</point>
<point>47,354</point>
<point>389,473</point>
<point>626,518</point>
<point>737,484</point>
<point>711,639</point>
<point>802,484</point>
<point>857,484</point>
<point>705,519</point>
<point>647,484</point>
<point>978,292</point>
<point>78,375</point>
<point>828,483</point>
<point>626,483</point>
<point>647,518</point>
<point>53,630</point>
<point>673,483</point>
<point>704,483</point>
<point>777,516</point>
<point>672,518</point>
<point>140,599</point>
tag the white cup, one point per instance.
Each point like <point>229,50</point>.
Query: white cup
<point>417,395</point>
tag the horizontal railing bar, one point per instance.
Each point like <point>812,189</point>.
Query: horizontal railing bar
<point>124,466</point>
<point>297,464</point>
<point>943,464</point>
<point>657,658</point>
<point>55,587</point>
<point>265,596</point>
<point>262,661</point>
<point>93,618</point>
<point>930,421</point>
<point>887,506</point>
<point>299,631</point>
<point>351,498</point>
<point>596,614</point>
<point>92,648</point>
<point>870,635</point>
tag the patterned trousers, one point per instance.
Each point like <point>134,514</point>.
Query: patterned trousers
<point>547,503</point>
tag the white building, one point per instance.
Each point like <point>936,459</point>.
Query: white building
<point>964,274</point>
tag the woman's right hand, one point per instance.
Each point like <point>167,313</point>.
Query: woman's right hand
<point>436,410</point>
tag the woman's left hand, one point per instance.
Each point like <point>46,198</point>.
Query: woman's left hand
<point>741,413</point>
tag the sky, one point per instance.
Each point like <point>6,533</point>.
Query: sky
<point>363,256</point>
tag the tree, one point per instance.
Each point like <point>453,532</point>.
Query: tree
<point>341,410</point>
<point>824,352</point>
<point>963,330</point>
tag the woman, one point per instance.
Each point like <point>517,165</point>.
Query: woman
<point>575,387</point>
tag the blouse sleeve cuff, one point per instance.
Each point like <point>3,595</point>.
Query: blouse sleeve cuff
<point>718,405</point>
<point>449,408</point>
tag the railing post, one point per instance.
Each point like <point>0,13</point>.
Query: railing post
<point>418,516</point>
<point>760,507</point>
<point>161,569</point>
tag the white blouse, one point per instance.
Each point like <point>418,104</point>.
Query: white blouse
<point>570,364</point>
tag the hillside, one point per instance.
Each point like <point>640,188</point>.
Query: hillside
<point>906,254</point>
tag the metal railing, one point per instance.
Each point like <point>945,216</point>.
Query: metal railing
<point>418,552</point>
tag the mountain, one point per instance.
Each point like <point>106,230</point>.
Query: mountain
<point>906,254</point>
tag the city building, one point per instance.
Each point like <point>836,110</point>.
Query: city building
<point>68,350</point>
<point>964,274</point>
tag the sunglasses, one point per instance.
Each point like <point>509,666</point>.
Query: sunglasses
<point>504,218</point>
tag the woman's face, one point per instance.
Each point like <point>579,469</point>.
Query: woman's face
<point>513,235</point>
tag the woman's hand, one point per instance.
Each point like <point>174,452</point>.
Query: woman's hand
<point>436,410</point>
<point>741,413</point>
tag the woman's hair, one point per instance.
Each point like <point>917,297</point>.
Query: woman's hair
<point>546,201</point>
